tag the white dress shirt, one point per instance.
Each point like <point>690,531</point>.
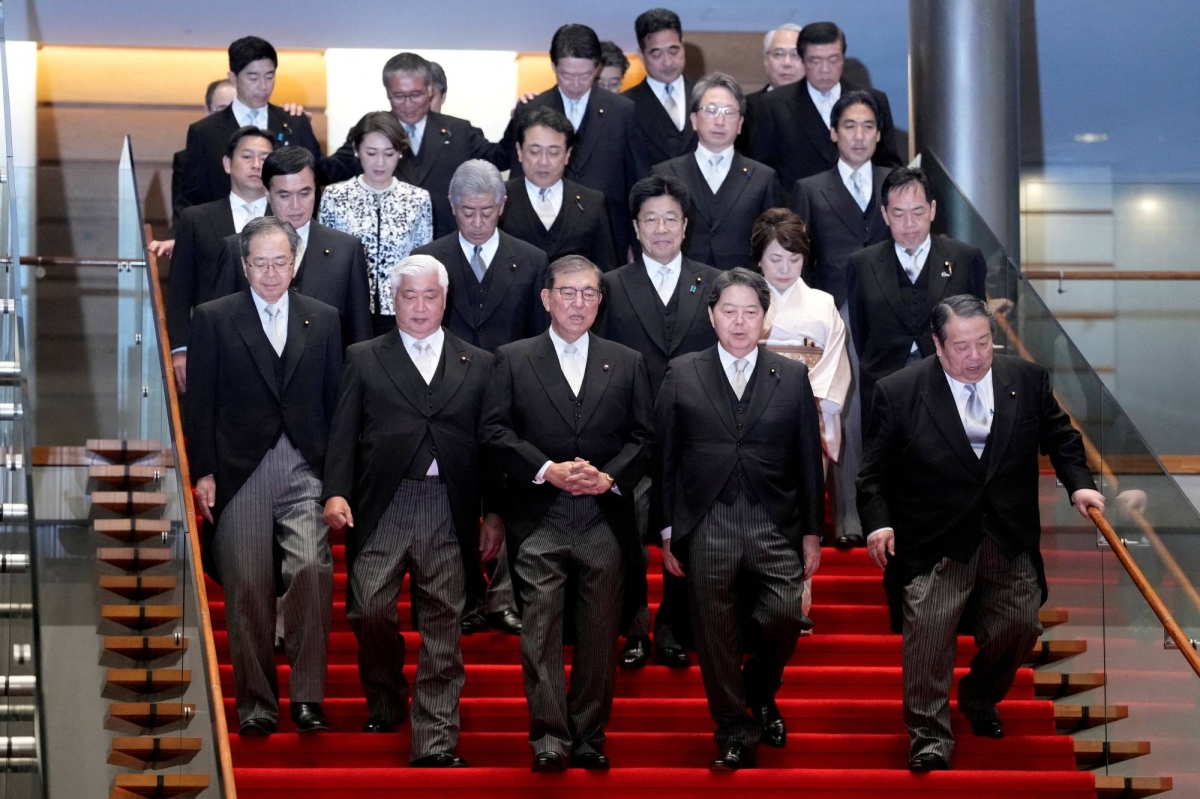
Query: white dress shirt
<point>245,115</point>
<point>825,102</point>
<point>714,177</point>
<point>580,108</point>
<point>245,210</point>
<point>677,94</point>
<point>554,195</point>
<point>416,134</point>
<point>671,280</point>
<point>581,353</point>
<point>265,320</point>
<point>436,340</point>
<point>847,172</point>
<point>303,231</point>
<point>487,250</point>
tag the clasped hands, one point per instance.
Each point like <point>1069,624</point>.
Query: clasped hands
<point>577,477</point>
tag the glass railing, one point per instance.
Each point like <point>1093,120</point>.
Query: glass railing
<point>1149,692</point>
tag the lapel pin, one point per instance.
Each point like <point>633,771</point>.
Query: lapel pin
<point>772,370</point>
<point>600,111</point>
<point>949,269</point>
<point>605,367</point>
<point>462,359</point>
<point>1014,393</point>
<point>514,266</point>
<point>306,323</point>
<point>444,133</point>
<point>327,252</point>
<point>579,202</point>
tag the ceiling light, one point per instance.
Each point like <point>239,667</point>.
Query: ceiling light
<point>1090,138</point>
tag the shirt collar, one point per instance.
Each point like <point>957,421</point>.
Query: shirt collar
<point>581,344</point>
<point>304,230</point>
<point>660,88</point>
<point>583,101</point>
<point>832,96</point>
<point>652,266</point>
<point>707,153</point>
<point>922,249</point>
<point>727,358</point>
<point>959,389</point>
<point>845,170</point>
<point>242,111</point>
<point>535,191</point>
<point>259,206</point>
<point>261,304</point>
<point>489,247</point>
<point>435,339</point>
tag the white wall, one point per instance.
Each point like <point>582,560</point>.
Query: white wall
<point>21,58</point>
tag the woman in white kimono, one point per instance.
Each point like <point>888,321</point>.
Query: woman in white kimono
<point>803,323</point>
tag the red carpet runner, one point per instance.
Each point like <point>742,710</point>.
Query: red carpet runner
<point>841,699</point>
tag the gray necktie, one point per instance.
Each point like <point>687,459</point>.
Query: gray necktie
<point>414,144</point>
<point>570,368</point>
<point>477,265</point>
<point>663,294</point>
<point>671,106</point>
<point>424,359</point>
<point>739,376</point>
<point>714,177</point>
<point>275,329</point>
<point>545,208</point>
<point>860,196</point>
<point>910,268</point>
<point>976,421</point>
<point>573,113</point>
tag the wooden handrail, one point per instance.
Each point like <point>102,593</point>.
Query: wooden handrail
<point>1109,274</point>
<point>1097,463</point>
<point>212,666</point>
<point>71,260</point>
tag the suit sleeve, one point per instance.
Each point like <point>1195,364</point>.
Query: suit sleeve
<point>810,486</point>
<point>178,203</point>
<point>799,205</point>
<point>878,443</point>
<point>632,463</point>
<point>194,187</point>
<point>978,274</point>
<point>605,249</point>
<point>479,147</point>
<point>491,476</point>
<point>637,159</point>
<point>508,145</point>
<point>358,300</point>
<point>305,136</point>
<point>773,197</point>
<point>539,319</point>
<point>338,166</point>
<point>860,326</point>
<point>227,272</point>
<point>342,450</point>
<point>665,464</point>
<point>333,364</point>
<point>497,432</point>
<point>888,152</point>
<point>201,405</point>
<point>181,283</point>
<point>1060,440</point>
<point>761,136</point>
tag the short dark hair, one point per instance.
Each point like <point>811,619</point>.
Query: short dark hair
<point>905,176</point>
<point>613,56</point>
<point>264,225</point>
<point>568,264</point>
<point>243,132</point>
<point>379,122</point>
<point>656,20</point>
<point>741,276</point>
<point>575,41</point>
<point>717,80</point>
<point>781,225</point>
<point>820,33</point>
<point>856,97</point>
<point>411,63</point>
<point>439,76</point>
<point>211,90</point>
<point>290,160</point>
<point>658,186</point>
<point>963,306</point>
<point>546,117</point>
<point>249,49</point>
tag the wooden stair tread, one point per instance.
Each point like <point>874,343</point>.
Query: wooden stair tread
<point>1054,684</point>
<point>137,785</point>
<point>132,531</point>
<point>140,617</point>
<point>124,475</point>
<point>152,714</point>
<point>1070,718</point>
<point>1111,787</point>
<point>1053,651</point>
<point>128,503</point>
<point>134,558</point>
<point>123,451</point>
<point>147,751</point>
<point>1090,754</point>
<point>137,587</point>
<point>1052,617</point>
<point>148,680</point>
<point>145,647</point>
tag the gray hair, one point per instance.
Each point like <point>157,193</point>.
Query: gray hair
<point>410,64</point>
<point>741,276</point>
<point>476,177</point>
<point>963,306</point>
<point>787,26</point>
<point>439,76</point>
<point>417,266</point>
<point>569,264</point>
<point>717,80</point>
<point>264,225</point>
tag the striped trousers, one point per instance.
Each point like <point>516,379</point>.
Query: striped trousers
<point>281,499</point>
<point>737,547</point>
<point>416,534</point>
<point>573,540</point>
<point>999,601</point>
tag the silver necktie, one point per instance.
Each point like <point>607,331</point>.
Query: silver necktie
<point>860,196</point>
<point>413,143</point>
<point>714,177</point>
<point>570,368</point>
<point>663,293</point>
<point>739,376</point>
<point>911,268</point>
<point>477,265</point>
<point>424,359</point>
<point>274,329</point>
<point>671,106</point>
<point>976,421</point>
<point>545,208</point>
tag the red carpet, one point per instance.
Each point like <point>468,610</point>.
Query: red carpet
<point>841,699</point>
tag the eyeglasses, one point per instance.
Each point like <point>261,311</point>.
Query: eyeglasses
<point>411,97</point>
<point>780,54</point>
<point>569,293</point>
<point>671,222</point>
<point>279,265</point>
<point>714,111</point>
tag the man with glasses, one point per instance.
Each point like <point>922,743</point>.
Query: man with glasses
<point>781,57</point>
<point>728,191</point>
<point>661,99</point>
<point>438,143</point>
<point>655,306</point>
<point>263,371</point>
<point>567,417</point>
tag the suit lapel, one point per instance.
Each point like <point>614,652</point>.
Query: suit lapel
<point>549,374</point>
<point>842,202</point>
<point>503,267</point>
<point>739,177</point>
<point>590,132</point>
<point>712,377</point>
<point>435,139</point>
<point>765,383</point>
<point>1004,401</point>
<point>222,220</point>
<point>809,118</point>
<point>689,301</point>
<point>572,211</point>
<point>250,328</point>
<point>703,200</point>
<point>643,296</point>
<point>456,264</point>
<point>314,268</point>
<point>595,380</point>
<point>939,269</point>
<point>885,271</point>
<point>458,363</point>
<point>297,337</point>
<point>278,123</point>
<point>400,369</point>
<point>942,408</point>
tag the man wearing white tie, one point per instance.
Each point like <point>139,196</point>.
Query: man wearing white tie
<point>661,99</point>
<point>949,491</point>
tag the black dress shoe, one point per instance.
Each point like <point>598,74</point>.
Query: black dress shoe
<point>440,760</point>
<point>592,761</point>
<point>673,656</point>
<point>635,653</point>
<point>927,761</point>
<point>735,756</point>
<point>548,761</point>
<point>309,717</point>
<point>806,623</point>
<point>256,728</point>
<point>987,728</point>
<point>505,621</point>
<point>849,541</point>
<point>774,731</point>
<point>473,622</point>
<point>378,725</point>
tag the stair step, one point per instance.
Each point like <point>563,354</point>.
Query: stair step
<point>1055,685</point>
<point>1112,787</point>
<point>149,752</point>
<point>123,451</point>
<point>141,617</point>
<point>149,681</point>
<point>134,559</point>
<point>1053,651</point>
<point>126,786</point>
<point>1053,617</point>
<point>150,715</point>
<point>1072,718</point>
<point>132,531</point>
<point>138,587</point>
<point>152,647</point>
<point>128,503</point>
<point>1093,754</point>
<point>125,476</point>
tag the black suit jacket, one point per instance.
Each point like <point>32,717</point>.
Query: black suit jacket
<point>609,154</point>
<point>920,476</point>
<point>384,411</point>
<point>837,227</point>
<point>701,439</point>
<point>882,334</point>
<point>195,263</point>
<point>447,142</point>
<point>333,270</point>
<point>528,420</point>
<point>787,133</point>
<point>177,203</point>
<point>719,225</point>
<point>582,226</point>
<point>238,405</point>
<point>204,178</point>
<point>663,140</point>
<point>512,308</point>
<point>630,314</point>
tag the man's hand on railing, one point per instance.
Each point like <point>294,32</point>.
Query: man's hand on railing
<point>206,495</point>
<point>162,248</point>
<point>179,364</point>
<point>1131,502</point>
<point>1086,498</point>
<point>337,513</point>
<point>1000,306</point>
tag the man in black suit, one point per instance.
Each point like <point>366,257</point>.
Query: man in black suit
<point>609,154</point>
<point>655,306</point>
<point>330,267</point>
<point>781,57</point>
<point>403,477</point>
<point>740,478</point>
<point>949,489</point>
<point>263,372</point>
<point>728,191</point>
<point>558,216</point>
<point>660,101</point>
<point>841,208</point>
<point>789,129</point>
<point>568,417</point>
<point>439,143</point>
<point>195,261</point>
<point>252,63</point>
